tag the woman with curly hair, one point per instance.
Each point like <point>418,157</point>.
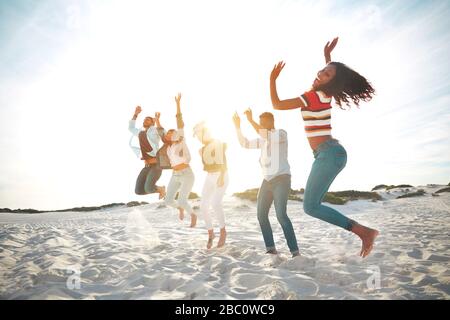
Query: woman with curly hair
<point>338,81</point>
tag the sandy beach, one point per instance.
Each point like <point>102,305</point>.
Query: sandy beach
<point>145,252</point>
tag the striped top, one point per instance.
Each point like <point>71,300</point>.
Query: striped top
<point>316,113</point>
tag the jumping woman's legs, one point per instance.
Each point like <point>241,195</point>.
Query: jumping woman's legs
<point>172,188</point>
<point>185,189</point>
<point>207,194</point>
<point>217,206</point>
<point>326,167</point>
<point>331,158</point>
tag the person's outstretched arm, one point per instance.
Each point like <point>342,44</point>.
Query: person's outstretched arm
<point>328,48</point>
<point>154,135</point>
<point>132,123</point>
<point>180,122</point>
<point>278,104</point>
<point>244,142</point>
<point>249,114</point>
<point>132,128</point>
<point>157,119</point>
<point>159,128</point>
<point>136,112</point>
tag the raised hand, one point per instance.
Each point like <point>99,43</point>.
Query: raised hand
<point>178,98</point>
<point>329,48</point>
<point>248,113</point>
<point>157,122</point>
<point>277,70</point>
<point>137,110</point>
<point>236,120</point>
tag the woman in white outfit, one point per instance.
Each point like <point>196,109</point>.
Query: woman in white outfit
<point>216,182</point>
<point>182,177</point>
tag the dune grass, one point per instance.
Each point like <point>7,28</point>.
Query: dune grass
<point>418,193</point>
<point>389,187</point>
<point>447,189</point>
<point>340,197</point>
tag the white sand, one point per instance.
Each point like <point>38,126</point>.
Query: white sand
<point>146,253</point>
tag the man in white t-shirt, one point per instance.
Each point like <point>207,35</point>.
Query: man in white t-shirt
<point>276,185</point>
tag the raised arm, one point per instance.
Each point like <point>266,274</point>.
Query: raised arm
<point>328,48</point>
<point>155,134</point>
<point>278,104</point>
<point>136,112</point>
<point>159,128</point>
<point>132,123</point>
<point>180,122</point>
<point>157,120</point>
<point>244,142</point>
<point>249,114</point>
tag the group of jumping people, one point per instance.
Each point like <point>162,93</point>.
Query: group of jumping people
<point>335,81</point>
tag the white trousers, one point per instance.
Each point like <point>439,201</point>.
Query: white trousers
<point>181,182</point>
<point>212,197</point>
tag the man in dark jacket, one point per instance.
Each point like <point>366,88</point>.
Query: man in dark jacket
<point>149,138</point>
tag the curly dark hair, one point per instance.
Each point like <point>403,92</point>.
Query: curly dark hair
<point>348,86</point>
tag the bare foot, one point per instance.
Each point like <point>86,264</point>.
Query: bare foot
<point>367,236</point>
<point>181,214</point>
<point>222,238</point>
<point>161,191</point>
<point>193,220</point>
<point>210,241</point>
<point>368,242</point>
<point>272,251</point>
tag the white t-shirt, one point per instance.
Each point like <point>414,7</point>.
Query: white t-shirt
<point>274,152</point>
<point>178,152</point>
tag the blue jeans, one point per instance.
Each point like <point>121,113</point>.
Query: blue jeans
<point>330,159</point>
<point>276,191</point>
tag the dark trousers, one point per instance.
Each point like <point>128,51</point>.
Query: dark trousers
<point>146,181</point>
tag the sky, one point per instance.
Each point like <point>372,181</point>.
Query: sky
<point>72,72</point>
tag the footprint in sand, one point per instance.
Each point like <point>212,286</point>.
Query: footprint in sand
<point>298,263</point>
<point>415,253</point>
<point>302,286</point>
<point>395,253</point>
<point>252,281</point>
<point>438,258</point>
<point>272,261</point>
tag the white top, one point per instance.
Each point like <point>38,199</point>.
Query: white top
<point>274,152</point>
<point>178,152</point>
<point>153,137</point>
